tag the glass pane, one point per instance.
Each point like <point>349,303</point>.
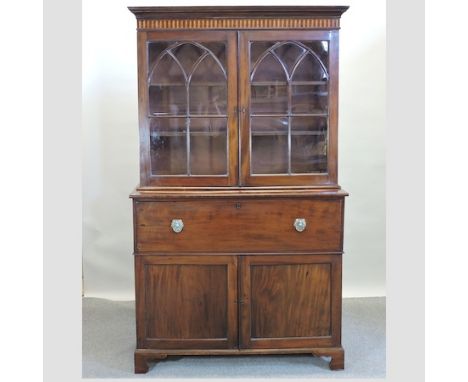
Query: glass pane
<point>289,78</point>
<point>308,153</point>
<point>309,99</point>
<point>208,146</point>
<point>309,144</point>
<point>289,54</point>
<point>320,48</point>
<point>269,69</point>
<point>168,146</point>
<point>218,49</point>
<point>309,69</point>
<point>155,49</point>
<point>208,70</point>
<point>208,90</point>
<point>271,99</point>
<point>174,66</point>
<point>309,125</point>
<point>206,99</point>
<point>166,71</point>
<point>188,78</point>
<point>187,54</point>
<point>165,99</point>
<point>269,150</point>
<point>257,48</point>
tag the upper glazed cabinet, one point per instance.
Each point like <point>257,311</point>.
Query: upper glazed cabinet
<point>238,108</point>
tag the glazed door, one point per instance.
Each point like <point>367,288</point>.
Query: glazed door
<point>186,302</point>
<point>288,104</point>
<point>290,301</point>
<point>188,113</point>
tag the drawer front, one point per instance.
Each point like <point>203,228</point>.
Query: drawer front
<point>266,225</point>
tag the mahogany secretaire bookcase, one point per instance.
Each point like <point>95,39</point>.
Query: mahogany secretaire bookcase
<point>238,217</point>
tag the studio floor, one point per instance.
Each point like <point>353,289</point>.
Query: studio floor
<point>109,342</point>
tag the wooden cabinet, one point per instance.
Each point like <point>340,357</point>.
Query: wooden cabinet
<point>238,217</point>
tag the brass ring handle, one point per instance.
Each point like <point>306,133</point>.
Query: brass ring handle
<point>177,225</point>
<point>300,224</point>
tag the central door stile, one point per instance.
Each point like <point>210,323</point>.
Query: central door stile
<point>240,260</point>
<point>233,297</point>
<point>244,301</point>
<point>238,111</point>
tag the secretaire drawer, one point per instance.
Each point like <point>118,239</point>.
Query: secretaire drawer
<point>224,225</point>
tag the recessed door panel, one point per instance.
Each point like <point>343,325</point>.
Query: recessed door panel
<point>187,302</point>
<point>290,301</point>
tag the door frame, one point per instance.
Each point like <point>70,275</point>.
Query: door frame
<point>146,179</point>
<point>245,337</point>
<point>328,179</point>
<point>231,339</point>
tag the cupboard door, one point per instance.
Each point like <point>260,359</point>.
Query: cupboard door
<point>290,301</point>
<point>288,102</point>
<point>186,302</point>
<point>188,119</point>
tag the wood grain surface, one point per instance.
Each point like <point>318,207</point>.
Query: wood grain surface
<point>290,301</point>
<point>239,225</point>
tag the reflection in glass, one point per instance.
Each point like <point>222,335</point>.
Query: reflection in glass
<point>269,150</point>
<point>269,69</point>
<point>258,48</point>
<point>312,99</point>
<point>289,54</point>
<point>187,55</point>
<point>167,71</point>
<point>269,99</point>
<point>208,99</point>
<point>171,100</point>
<point>310,125</point>
<point>208,146</point>
<point>207,69</point>
<point>309,144</point>
<point>289,83</point>
<point>168,146</point>
<point>208,93</point>
<point>309,68</point>
<point>188,79</point>
<point>320,48</point>
<point>308,153</point>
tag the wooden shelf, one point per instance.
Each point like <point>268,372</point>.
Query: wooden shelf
<point>291,115</point>
<point>255,133</point>
<point>192,133</point>
<point>204,83</point>
<point>284,83</point>
<point>167,115</point>
<point>281,133</point>
<point>256,83</point>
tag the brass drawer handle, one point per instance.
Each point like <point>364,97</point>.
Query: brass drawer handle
<point>177,225</point>
<point>300,224</point>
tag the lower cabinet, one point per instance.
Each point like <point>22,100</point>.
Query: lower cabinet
<point>222,304</point>
<point>186,302</point>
